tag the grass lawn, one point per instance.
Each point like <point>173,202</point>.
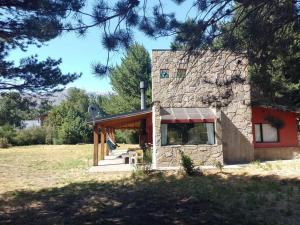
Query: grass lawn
<point>51,185</point>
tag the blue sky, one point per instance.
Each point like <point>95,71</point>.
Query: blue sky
<point>78,53</point>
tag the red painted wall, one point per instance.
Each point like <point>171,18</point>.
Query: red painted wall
<point>287,135</point>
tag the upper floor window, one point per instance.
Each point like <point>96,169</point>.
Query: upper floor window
<point>265,133</point>
<point>181,73</point>
<point>164,73</point>
<point>187,133</point>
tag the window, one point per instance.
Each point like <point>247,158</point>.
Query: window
<point>181,73</point>
<point>187,133</point>
<point>164,73</point>
<point>265,133</point>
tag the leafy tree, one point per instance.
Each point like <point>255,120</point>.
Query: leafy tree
<point>25,23</point>
<point>69,119</point>
<point>118,19</point>
<point>44,107</point>
<point>14,108</point>
<point>125,80</point>
<point>268,36</point>
<point>272,50</point>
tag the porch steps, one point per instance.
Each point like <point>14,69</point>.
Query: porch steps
<point>113,163</point>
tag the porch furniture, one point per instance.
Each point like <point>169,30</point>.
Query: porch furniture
<point>133,156</point>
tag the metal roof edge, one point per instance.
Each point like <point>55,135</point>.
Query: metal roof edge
<point>121,115</point>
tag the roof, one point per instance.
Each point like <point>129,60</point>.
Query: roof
<point>187,114</point>
<point>123,120</point>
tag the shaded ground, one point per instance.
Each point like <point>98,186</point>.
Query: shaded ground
<point>257,194</point>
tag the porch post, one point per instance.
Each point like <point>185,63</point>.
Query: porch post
<point>102,143</point>
<point>155,132</point>
<point>109,133</point>
<point>96,141</point>
<point>113,134</point>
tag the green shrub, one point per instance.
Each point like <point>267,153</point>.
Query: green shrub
<point>30,136</point>
<point>147,159</point>
<point>219,166</point>
<point>49,135</point>
<point>187,164</point>
<point>7,131</point>
<point>4,142</point>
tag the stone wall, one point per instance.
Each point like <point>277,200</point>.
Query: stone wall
<point>217,80</point>
<point>169,156</point>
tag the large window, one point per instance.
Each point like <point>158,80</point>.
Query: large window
<point>187,133</point>
<point>265,133</point>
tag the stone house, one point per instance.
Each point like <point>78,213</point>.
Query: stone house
<point>203,105</point>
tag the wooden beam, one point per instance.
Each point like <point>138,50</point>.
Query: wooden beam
<point>102,142</point>
<point>96,141</point>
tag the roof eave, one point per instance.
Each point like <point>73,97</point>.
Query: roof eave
<point>119,116</point>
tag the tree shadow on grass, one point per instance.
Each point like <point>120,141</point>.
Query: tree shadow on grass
<point>159,199</point>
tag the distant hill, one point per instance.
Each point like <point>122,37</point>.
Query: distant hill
<point>58,97</point>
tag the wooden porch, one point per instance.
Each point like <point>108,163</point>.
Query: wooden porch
<point>139,120</point>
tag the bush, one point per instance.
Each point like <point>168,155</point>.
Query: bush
<point>7,131</point>
<point>30,136</point>
<point>4,142</point>
<point>49,139</point>
<point>187,164</point>
<point>147,159</point>
<point>219,166</point>
<point>74,130</point>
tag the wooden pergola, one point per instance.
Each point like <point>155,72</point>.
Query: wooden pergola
<point>108,125</point>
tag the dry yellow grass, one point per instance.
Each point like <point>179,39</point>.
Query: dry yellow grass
<point>283,169</point>
<point>41,166</point>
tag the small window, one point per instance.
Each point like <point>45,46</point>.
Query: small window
<point>265,133</point>
<point>187,134</point>
<point>181,73</point>
<point>164,73</point>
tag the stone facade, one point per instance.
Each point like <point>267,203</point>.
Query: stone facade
<point>169,156</point>
<point>216,80</point>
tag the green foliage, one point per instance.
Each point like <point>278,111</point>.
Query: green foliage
<point>275,122</point>
<point>219,166</point>
<point>7,131</point>
<point>190,36</point>
<point>270,38</point>
<point>127,136</point>
<point>187,164</point>
<point>33,23</point>
<point>125,80</point>
<point>147,159</point>
<point>4,142</point>
<point>69,119</point>
<point>30,136</point>
<point>14,108</point>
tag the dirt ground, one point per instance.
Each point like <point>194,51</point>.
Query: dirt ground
<point>51,185</point>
